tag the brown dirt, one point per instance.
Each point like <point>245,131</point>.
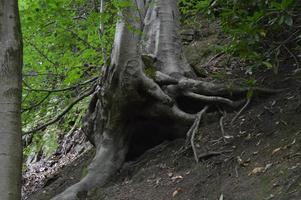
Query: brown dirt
<point>267,138</point>
<point>265,162</point>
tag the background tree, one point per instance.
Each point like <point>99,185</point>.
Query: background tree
<point>10,101</point>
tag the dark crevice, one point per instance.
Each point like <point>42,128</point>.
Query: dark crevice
<point>148,134</point>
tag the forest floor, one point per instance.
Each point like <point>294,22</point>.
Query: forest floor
<point>258,159</point>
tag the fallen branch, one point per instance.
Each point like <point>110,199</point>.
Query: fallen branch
<point>59,116</point>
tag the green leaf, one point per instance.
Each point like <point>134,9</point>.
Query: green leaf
<point>268,64</point>
<point>250,93</point>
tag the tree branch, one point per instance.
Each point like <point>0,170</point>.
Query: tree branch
<point>36,105</point>
<point>59,116</point>
<point>63,89</point>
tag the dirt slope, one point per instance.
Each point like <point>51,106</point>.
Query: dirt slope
<point>265,162</point>
<point>262,149</point>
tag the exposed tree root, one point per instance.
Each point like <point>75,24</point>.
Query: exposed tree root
<point>215,99</point>
<point>241,110</point>
<point>193,130</point>
<point>213,153</point>
<point>147,76</point>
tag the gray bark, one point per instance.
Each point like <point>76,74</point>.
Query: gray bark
<point>10,101</point>
<point>141,91</point>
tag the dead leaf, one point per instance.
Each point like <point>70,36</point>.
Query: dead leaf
<point>176,192</point>
<point>268,166</point>
<point>292,143</point>
<point>256,170</point>
<point>187,173</point>
<point>276,150</point>
<point>221,197</point>
<point>228,136</point>
<point>174,178</point>
<point>241,162</point>
<point>158,181</point>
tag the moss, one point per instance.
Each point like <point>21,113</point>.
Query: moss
<point>150,72</point>
<point>84,171</point>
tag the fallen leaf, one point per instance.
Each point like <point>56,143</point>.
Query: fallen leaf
<point>158,181</point>
<point>268,166</point>
<point>228,136</point>
<point>221,197</point>
<point>292,143</point>
<point>256,170</point>
<point>241,162</point>
<point>174,178</point>
<point>176,192</point>
<point>276,150</point>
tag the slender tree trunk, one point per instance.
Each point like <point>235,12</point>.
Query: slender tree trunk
<point>10,101</point>
<point>143,91</point>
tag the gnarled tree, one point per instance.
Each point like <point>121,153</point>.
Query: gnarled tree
<point>148,92</point>
<point>10,101</point>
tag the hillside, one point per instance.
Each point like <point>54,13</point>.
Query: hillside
<point>258,158</point>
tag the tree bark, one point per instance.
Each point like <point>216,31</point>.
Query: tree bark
<point>10,101</point>
<point>149,89</point>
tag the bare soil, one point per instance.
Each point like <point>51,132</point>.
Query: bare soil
<point>258,159</point>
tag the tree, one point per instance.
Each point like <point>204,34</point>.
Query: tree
<point>10,101</point>
<point>148,89</point>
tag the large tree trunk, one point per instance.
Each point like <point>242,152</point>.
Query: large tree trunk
<point>10,101</point>
<point>148,92</point>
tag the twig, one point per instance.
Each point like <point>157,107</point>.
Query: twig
<point>192,131</point>
<point>59,116</point>
<point>40,52</point>
<point>293,55</point>
<point>221,124</point>
<point>212,58</point>
<point>299,99</point>
<point>241,110</point>
<point>236,171</point>
<point>213,153</point>
<point>63,89</point>
<point>37,104</point>
<point>85,42</point>
<point>138,10</point>
<point>101,31</point>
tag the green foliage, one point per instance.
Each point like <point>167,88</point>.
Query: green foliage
<point>62,48</point>
<point>262,32</point>
<point>46,143</point>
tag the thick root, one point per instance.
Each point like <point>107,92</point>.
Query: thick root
<point>214,99</point>
<point>108,159</point>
